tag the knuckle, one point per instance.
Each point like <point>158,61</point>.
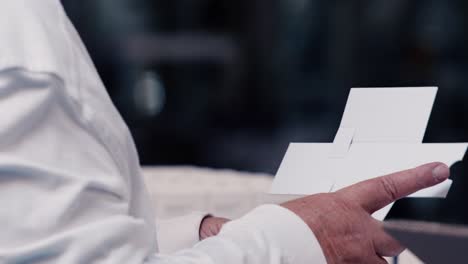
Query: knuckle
<point>416,172</point>
<point>389,188</point>
<point>420,181</point>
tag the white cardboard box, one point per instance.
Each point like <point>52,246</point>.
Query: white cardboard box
<point>381,132</point>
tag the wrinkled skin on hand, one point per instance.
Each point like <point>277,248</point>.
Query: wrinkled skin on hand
<point>342,221</point>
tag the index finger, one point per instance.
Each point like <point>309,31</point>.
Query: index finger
<point>377,193</point>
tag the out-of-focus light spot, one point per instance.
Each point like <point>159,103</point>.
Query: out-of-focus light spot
<point>149,94</point>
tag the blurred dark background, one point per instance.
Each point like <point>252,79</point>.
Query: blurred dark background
<point>228,84</point>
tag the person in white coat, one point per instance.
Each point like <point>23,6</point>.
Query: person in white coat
<point>71,189</point>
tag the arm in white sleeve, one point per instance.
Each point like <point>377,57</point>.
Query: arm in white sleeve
<point>65,199</point>
<point>268,234</point>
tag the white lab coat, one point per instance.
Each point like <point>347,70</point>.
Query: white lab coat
<point>70,183</point>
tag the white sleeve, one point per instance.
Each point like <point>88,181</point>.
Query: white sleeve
<point>63,201</point>
<point>286,239</point>
<point>268,234</point>
<point>179,233</point>
<point>62,197</point>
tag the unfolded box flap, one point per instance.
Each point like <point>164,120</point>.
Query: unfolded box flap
<point>299,172</point>
<point>389,114</point>
<point>381,133</point>
<point>306,170</point>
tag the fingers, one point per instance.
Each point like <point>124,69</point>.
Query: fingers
<point>211,226</point>
<point>376,193</point>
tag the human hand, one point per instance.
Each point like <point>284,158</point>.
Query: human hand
<point>210,226</point>
<point>342,221</point>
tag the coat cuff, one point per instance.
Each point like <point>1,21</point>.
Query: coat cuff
<point>179,233</point>
<point>285,231</point>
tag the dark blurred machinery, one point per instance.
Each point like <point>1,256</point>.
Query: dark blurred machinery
<point>231,83</point>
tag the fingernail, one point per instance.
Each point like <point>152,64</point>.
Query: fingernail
<point>441,173</point>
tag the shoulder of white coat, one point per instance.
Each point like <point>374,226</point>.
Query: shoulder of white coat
<point>33,36</point>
